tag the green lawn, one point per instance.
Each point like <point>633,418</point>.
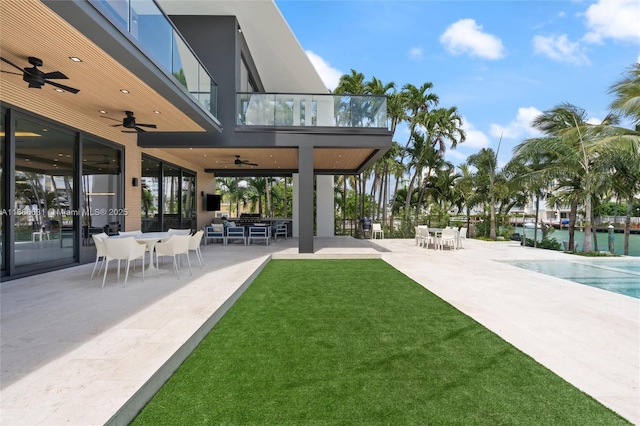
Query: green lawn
<point>342,342</point>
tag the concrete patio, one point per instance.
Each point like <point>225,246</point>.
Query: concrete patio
<point>73,353</point>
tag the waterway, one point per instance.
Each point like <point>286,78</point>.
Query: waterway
<point>603,243</point>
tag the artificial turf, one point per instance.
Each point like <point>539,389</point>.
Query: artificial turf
<point>344,342</point>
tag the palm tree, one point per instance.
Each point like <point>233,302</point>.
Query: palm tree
<point>570,147</point>
<point>623,165</point>
<point>486,164</point>
<point>627,91</point>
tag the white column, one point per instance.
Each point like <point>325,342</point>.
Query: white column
<point>325,210</point>
<point>295,205</point>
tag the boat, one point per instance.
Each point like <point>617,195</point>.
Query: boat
<point>531,225</point>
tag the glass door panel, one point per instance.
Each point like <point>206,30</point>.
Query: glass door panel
<point>44,194</point>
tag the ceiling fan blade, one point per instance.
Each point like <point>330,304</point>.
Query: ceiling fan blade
<point>55,75</point>
<point>10,63</point>
<point>153,126</point>
<point>10,72</point>
<point>63,87</point>
<point>139,129</point>
<point>251,164</point>
<point>115,125</point>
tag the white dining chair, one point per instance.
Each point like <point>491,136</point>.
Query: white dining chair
<point>174,247</point>
<point>127,249</point>
<point>462,235</point>
<point>101,252</point>
<point>194,245</point>
<point>449,237</point>
<point>376,229</point>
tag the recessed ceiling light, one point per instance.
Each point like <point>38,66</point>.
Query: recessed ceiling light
<point>75,59</point>
<point>102,111</point>
<point>59,154</point>
<point>204,155</point>
<point>59,90</point>
<point>125,91</point>
<point>156,111</point>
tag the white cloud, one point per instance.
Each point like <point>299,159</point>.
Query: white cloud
<point>466,36</point>
<point>416,53</point>
<point>616,19</point>
<point>520,127</point>
<point>329,75</point>
<point>559,48</point>
<point>475,137</point>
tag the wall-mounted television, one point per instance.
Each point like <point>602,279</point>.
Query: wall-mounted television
<point>212,202</point>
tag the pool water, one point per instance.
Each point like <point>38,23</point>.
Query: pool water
<point>619,276</point>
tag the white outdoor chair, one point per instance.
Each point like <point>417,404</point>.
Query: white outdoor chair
<point>281,230</point>
<point>462,235</point>
<point>425,237</point>
<point>194,245</point>
<point>449,237</point>
<point>174,246</point>
<point>259,233</point>
<point>127,249</point>
<point>235,232</point>
<point>101,252</point>
<point>376,229</point>
<point>214,231</point>
<point>173,231</point>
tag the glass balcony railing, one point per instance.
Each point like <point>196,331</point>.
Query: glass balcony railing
<point>146,23</point>
<point>280,109</point>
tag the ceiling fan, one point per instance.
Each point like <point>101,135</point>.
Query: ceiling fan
<point>37,78</point>
<point>129,122</point>
<point>238,162</point>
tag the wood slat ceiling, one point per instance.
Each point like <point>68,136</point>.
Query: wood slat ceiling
<point>30,28</point>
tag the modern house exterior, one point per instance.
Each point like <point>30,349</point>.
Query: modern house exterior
<point>119,115</point>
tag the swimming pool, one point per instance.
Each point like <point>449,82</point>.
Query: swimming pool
<point>619,276</point>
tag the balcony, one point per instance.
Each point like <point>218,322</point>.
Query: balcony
<point>147,25</point>
<point>311,110</point>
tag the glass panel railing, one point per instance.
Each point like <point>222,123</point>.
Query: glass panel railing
<point>147,24</point>
<point>281,109</point>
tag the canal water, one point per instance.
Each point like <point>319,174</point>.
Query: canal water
<point>603,243</point>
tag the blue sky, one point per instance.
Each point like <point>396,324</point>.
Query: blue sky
<point>500,62</point>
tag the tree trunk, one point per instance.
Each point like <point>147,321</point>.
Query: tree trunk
<point>492,209</point>
<point>535,224</point>
<point>586,245</point>
<point>627,226</point>
<point>573,212</point>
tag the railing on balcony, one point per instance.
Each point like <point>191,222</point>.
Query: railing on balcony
<point>146,23</point>
<point>281,109</point>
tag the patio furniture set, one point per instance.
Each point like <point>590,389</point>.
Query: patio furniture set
<point>440,238</point>
<point>133,245</point>
<point>229,231</point>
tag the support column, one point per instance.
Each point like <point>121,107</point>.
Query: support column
<point>295,205</point>
<point>325,211</point>
<point>305,198</point>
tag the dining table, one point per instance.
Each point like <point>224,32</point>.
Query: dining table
<point>150,239</point>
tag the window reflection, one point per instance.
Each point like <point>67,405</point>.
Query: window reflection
<point>44,194</point>
<point>168,196</point>
<point>101,201</point>
<point>2,202</point>
<point>150,194</point>
<point>188,201</point>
